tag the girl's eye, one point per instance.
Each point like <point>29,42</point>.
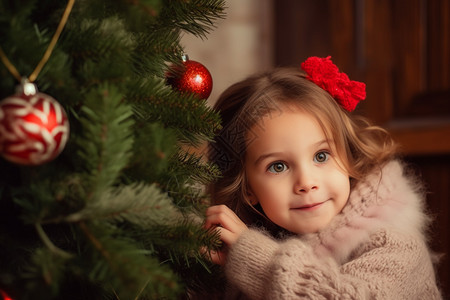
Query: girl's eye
<point>321,157</point>
<point>277,167</point>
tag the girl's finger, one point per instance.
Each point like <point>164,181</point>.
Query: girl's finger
<point>221,215</point>
<point>224,221</point>
<point>221,209</point>
<point>227,236</point>
<point>217,220</point>
<point>218,258</point>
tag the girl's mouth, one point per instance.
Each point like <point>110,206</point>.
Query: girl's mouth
<point>310,207</point>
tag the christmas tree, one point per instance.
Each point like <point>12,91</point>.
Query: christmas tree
<point>116,211</point>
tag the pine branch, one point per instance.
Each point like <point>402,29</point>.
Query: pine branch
<point>124,268</point>
<point>155,101</point>
<point>189,198</point>
<point>197,16</point>
<point>139,204</point>
<point>47,195</point>
<point>154,49</point>
<point>193,168</point>
<point>153,146</point>
<point>44,274</point>
<point>49,244</point>
<point>106,142</point>
<point>180,243</point>
<point>17,28</point>
<point>184,180</point>
<point>118,215</point>
<point>101,49</point>
<point>185,248</point>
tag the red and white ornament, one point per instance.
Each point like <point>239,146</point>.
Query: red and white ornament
<point>4,296</point>
<point>192,77</point>
<point>34,127</point>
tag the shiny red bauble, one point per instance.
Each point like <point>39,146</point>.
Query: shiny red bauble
<point>33,128</point>
<point>4,296</point>
<point>191,77</point>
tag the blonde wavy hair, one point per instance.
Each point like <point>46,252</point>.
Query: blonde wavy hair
<point>360,146</point>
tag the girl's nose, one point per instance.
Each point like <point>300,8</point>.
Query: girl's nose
<point>307,188</point>
<point>305,181</point>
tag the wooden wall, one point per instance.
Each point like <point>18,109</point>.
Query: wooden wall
<point>401,50</point>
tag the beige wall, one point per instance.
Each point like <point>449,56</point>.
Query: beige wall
<point>240,45</point>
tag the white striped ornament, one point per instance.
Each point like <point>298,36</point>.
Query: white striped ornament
<point>34,128</point>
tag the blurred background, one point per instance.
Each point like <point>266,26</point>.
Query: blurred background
<point>399,48</point>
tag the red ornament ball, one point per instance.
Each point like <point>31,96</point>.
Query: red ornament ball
<point>191,77</point>
<point>4,296</point>
<point>33,128</point>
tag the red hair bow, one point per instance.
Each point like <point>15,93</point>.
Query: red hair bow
<point>324,73</point>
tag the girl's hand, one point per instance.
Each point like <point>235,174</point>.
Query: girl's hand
<point>229,226</point>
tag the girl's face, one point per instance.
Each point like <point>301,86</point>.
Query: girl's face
<point>294,174</point>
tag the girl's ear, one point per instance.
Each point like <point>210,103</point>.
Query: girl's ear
<point>252,197</point>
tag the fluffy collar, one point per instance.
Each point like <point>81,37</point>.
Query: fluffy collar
<point>387,198</point>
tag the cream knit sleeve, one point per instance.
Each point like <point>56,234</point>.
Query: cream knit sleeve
<point>263,268</point>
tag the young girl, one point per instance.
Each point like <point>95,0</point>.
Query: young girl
<point>312,202</point>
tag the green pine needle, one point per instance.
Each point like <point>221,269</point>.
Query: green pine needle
<point>106,141</point>
<point>123,267</point>
<point>155,101</point>
<point>118,214</point>
<point>139,204</point>
<point>196,16</point>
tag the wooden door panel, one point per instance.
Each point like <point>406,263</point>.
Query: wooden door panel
<point>401,50</point>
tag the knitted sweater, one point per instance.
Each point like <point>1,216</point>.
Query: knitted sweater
<point>374,249</point>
